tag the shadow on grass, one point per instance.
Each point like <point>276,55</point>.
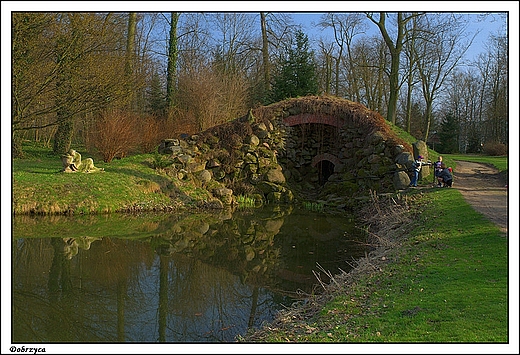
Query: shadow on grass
<point>167,187</point>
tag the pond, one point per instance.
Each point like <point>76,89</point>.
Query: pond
<point>160,277</point>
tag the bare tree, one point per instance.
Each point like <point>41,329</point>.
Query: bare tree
<point>345,27</point>
<point>410,77</point>
<point>463,100</point>
<point>266,65</point>
<point>327,57</point>
<point>130,56</point>
<point>34,71</point>
<point>65,66</point>
<point>394,47</point>
<point>437,53</point>
<point>276,29</point>
<point>497,108</point>
<point>371,66</point>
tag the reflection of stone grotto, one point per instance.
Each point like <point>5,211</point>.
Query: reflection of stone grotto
<point>250,242</point>
<point>244,240</point>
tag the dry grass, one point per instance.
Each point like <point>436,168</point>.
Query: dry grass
<point>388,221</point>
<point>353,113</point>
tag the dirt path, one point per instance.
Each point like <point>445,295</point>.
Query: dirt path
<point>483,188</point>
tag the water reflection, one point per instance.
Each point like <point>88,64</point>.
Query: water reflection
<point>168,277</point>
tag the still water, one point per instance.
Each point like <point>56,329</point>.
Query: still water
<point>204,277</point>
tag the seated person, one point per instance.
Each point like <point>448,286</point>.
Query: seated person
<point>445,177</point>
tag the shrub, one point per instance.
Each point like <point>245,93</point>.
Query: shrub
<point>494,149</point>
<point>149,133</point>
<point>114,135</point>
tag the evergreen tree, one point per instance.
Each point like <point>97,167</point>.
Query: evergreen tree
<point>448,135</point>
<point>297,76</point>
<point>157,104</point>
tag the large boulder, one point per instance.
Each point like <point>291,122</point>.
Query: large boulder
<point>401,180</point>
<point>420,148</point>
<point>276,175</point>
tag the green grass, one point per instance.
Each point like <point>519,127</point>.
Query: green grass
<point>498,162</point>
<point>114,225</point>
<point>132,183</point>
<point>447,283</point>
<point>450,281</point>
<point>246,201</point>
<point>401,133</point>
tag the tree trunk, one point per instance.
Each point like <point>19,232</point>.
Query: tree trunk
<point>395,53</point>
<point>65,48</point>
<point>336,84</point>
<point>129,60</point>
<point>408,117</point>
<point>64,116</point>
<point>265,55</point>
<point>394,87</point>
<point>428,115</point>
<point>171,74</point>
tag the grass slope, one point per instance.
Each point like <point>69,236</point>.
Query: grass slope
<point>129,184</point>
<point>446,283</point>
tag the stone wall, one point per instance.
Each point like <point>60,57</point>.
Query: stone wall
<point>309,149</point>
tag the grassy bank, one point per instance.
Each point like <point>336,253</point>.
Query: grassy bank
<point>443,280</point>
<point>129,184</point>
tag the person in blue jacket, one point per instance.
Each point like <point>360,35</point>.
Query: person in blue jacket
<point>445,177</point>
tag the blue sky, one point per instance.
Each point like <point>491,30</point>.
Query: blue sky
<point>491,25</point>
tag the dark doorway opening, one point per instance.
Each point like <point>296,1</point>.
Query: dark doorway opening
<point>325,170</point>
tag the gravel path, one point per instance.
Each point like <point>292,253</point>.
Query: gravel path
<point>484,189</point>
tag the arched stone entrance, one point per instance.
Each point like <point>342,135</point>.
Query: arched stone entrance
<point>327,164</point>
<point>303,118</point>
<point>313,142</point>
<point>318,135</point>
<point>325,170</point>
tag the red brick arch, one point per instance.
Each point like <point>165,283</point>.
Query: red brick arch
<point>326,156</point>
<point>313,118</point>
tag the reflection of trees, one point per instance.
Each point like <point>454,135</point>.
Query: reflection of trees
<point>163,297</point>
<point>79,306</point>
<point>205,303</point>
<point>208,282</point>
<point>44,316</point>
<point>114,268</point>
<point>59,274</point>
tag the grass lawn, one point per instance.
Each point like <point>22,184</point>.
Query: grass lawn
<point>39,186</point>
<point>447,283</point>
<point>501,163</point>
